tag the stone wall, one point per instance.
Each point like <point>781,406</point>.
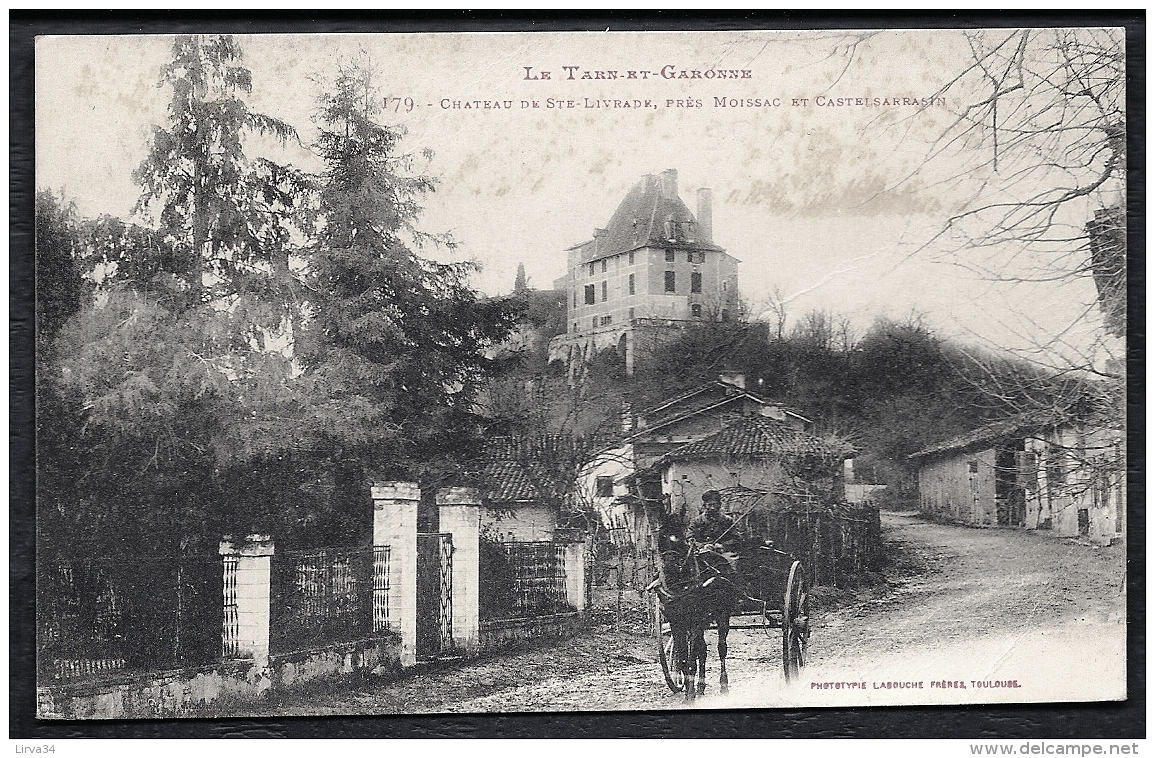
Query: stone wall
<point>186,692</point>
<point>496,635</point>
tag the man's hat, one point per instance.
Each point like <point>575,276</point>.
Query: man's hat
<point>711,496</point>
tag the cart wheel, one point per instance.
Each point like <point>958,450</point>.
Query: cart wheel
<point>795,622</point>
<point>671,668</point>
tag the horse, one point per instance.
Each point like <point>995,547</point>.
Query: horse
<point>696,585</point>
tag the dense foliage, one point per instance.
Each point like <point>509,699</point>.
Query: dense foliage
<point>244,354</point>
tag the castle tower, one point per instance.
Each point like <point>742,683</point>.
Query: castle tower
<point>652,270</point>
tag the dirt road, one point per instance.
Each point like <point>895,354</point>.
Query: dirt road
<point>998,615</point>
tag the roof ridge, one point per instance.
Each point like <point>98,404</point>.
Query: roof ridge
<point>990,430</point>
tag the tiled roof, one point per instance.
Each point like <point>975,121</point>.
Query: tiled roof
<point>731,392</point>
<point>993,432</point>
<point>757,437</point>
<point>511,467</point>
<point>506,482</point>
<point>640,221</point>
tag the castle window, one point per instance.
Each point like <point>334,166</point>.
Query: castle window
<point>605,290</point>
<point>695,282</point>
<point>670,282</point>
<point>631,284</point>
<point>575,326</point>
<point>689,256</point>
<point>631,257</point>
<point>575,298</point>
<point>725,315</point>
<point>590,299</point>
<point>725,285</point>
<point>696,310</point>
<point>595,322</point>
<point>669,256</point>
<point>605,264</point>
<point>591,269</point>
<point>631,314</point>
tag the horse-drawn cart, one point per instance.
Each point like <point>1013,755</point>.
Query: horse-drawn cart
<point>702,585</point>
<point>777,598</point>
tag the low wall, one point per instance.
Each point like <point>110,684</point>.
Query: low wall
<point>182,692</point>
<point>340,660</point>
<point>496,635</point>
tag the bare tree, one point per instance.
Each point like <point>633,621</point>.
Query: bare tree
<point>1039,146</point>
<point>1041,142</point>
<point>776,306</point>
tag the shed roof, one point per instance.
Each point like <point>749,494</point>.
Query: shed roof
<point>507,482</point>
<point>994,431</point>
<point>515,469</point>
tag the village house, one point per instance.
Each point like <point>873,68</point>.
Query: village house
<point>514,489</point>
<point>630,467</point>
<point>1050,472</point>
<point>750,454</point>
<point>652,270</point>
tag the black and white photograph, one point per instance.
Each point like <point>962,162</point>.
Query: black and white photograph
<point>488,373</point>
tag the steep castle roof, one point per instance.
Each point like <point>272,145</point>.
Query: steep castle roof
<point>641,221</point>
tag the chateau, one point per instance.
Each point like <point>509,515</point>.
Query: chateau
<point>652,270</point>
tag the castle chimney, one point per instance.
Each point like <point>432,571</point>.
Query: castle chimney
<point>705,215</point>
<point>670,183</point>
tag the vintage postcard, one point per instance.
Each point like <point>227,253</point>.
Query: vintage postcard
<point>499,372</point>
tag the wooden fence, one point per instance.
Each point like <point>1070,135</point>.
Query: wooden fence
<point>836,543</point>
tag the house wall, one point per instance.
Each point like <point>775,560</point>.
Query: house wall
<point>959,487</point>
<point>649,300</point>
<point>686,481</point>
<point>1070,486</point>
<point>618,464</point>
<point>1086,481</point>
<point>519,522</point>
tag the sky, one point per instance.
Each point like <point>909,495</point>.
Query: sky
<point>829,205</point>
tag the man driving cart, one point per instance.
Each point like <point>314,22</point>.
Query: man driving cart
<point>712,527</point>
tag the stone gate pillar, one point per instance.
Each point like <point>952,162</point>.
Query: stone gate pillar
<point>247,566</point>
<point>575,575</point>
<point>460,511</point>
<point>395,527</point>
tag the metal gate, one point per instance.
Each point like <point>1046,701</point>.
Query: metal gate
<point>434,594</point>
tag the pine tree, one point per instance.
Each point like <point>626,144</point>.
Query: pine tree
<point>396,343</point>
<point>172,368</point>
<point>222,216</point>
<point>519,284</point>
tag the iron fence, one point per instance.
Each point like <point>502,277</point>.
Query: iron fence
<point>327,595</point>
<point>434,593</point>
<point>95,617</point>
<point>522,580</point>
